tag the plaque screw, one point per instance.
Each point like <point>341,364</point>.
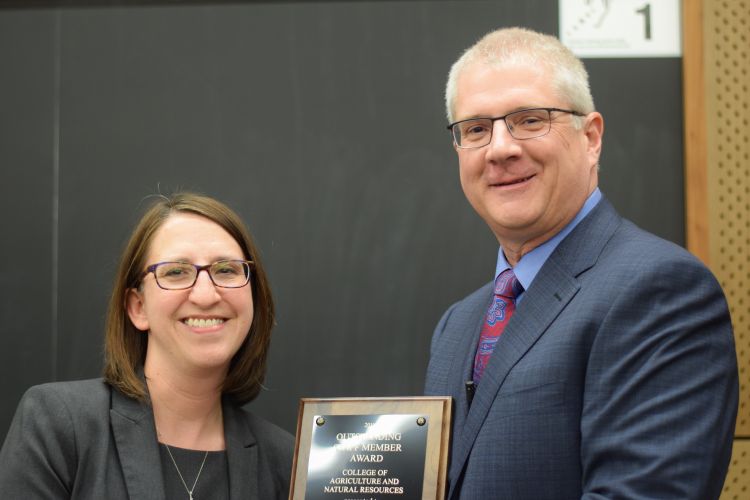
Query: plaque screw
<point>320,421</point>
<point>421,421</point>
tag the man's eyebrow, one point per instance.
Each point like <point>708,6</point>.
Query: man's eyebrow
<point>513,110</point>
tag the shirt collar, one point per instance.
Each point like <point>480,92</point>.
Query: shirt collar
<point>527,268</point>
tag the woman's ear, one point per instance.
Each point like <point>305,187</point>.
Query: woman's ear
<point>136,309</point>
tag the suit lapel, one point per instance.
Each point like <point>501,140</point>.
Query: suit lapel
<point>552,290</point>
<point>137,447</point>
<point>450,366</point>
<point>242,455</point>
<point>531,320</point>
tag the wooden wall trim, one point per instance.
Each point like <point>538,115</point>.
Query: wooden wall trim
<point>696,157</point>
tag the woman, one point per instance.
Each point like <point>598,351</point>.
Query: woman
<point>187,336</point>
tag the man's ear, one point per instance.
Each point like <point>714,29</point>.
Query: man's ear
<point>136,309</point>
<point>593,128</point>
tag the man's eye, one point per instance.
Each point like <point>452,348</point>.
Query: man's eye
<point>475,129</point>
<point>530,120</point>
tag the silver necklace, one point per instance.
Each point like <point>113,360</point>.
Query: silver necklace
<point>189,490</point>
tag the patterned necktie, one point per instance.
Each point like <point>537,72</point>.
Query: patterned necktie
<point>501,309</point>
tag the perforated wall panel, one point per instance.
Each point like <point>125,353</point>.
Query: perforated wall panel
<point>727,65</point>
<point>726,32</point>
<point>737,484</point>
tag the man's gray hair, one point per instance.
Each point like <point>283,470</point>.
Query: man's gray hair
<point>524,47</point>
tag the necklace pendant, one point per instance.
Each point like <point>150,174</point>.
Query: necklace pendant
<point>191,495</point>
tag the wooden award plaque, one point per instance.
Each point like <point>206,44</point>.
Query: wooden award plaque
<point>371,449</point>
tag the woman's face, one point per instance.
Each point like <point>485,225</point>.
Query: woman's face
<point>201,327</point>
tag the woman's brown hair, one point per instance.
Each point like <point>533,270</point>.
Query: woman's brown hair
<point>125,345</point>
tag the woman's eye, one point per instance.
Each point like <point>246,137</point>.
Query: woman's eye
<point>174,271</point>
<point>226,269</point>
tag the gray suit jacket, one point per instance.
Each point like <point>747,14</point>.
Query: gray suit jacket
<point>85,440</point>
<point>615,378</point>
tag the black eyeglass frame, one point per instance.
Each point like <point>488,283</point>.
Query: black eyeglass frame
<point>248,264</point>
<point>451,126</point>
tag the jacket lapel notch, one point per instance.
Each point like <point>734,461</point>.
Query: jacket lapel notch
<point>137,447</point>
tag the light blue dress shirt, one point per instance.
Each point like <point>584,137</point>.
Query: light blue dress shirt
<point>527,268</point>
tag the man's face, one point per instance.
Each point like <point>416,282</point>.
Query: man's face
<point>526,190</point>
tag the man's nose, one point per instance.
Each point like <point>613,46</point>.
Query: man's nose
<point>502,142</point>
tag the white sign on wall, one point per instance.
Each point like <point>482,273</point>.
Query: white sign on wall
<point>621,28</point>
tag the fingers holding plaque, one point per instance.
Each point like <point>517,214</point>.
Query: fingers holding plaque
<point>372,448</point>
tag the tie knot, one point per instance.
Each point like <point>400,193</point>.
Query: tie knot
<point>507,285</point>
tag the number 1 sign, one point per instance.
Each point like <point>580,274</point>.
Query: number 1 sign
<point>621,28</point>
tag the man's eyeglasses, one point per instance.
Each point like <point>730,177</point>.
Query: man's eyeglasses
<point>182,275</point>
<point>522,124</point>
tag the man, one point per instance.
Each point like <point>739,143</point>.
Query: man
<point>603,366</point>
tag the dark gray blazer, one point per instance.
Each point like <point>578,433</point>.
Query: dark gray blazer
<point>615,378</point>
<point>85,440</point>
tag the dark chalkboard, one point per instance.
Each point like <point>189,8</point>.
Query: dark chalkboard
<point>322,124</point>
